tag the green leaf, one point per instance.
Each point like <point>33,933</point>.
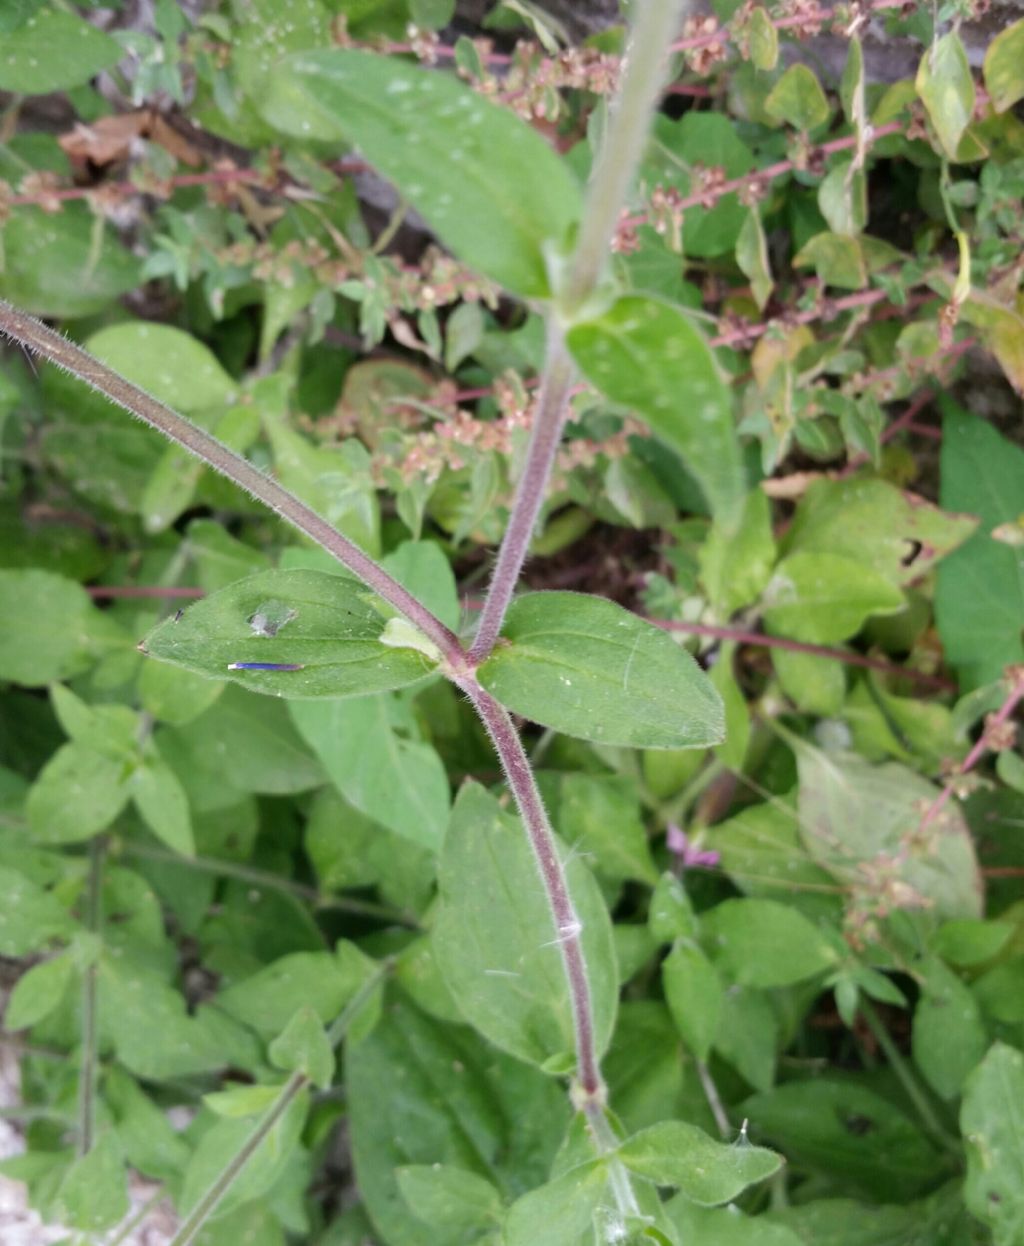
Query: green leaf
<point>693,992</point>
<point>970,941</point>
<point>858,1139</point>
<point>600,816</point>
<point>705,1171</point>
<point>42,620</point>
<point>52,51</point>
<point>145,1022</point>
<point>161,800</point>
<point>220,559</point>
<point>748,1035</point>
<point>173,695</point>
<point>946,87</point>
<point>39,991</point>
<point>242,743</point>
<point>949,1037</point>
<point>171,364</point>
<point>94,1193</point>
<point>851,85</point>
<point>838,260</point>
<point>464,331</point>
<point>727,1227</point>
<point>979,599</point>
<point>764,943</point>
<point>843,198</point>
<point>586,666</point>
<point>109,729</point>
<point>649,356</point>
<point>495,940</point>
<point>843,1222</point>
<point>675,151</point>
<point>992,1123</point>
<point>1004,67</point>
<point>898,534</point>
<point>797,98</point>
<point>762,854</point>
<point>490,187</point>
<point>303,1047</point>
<point>424,569</point>
<point>558,1213</point>
<point>400,783</point>
<point>221,1143</point>
<point>733,750</point>
<point>30,916</point>
<point>1010,768</point>
<point>449,1198</point>
<point>736,561</point>
<point>670,914</point>
<point>269,999</point>
<point>239,1101</point>
<point>763,40</point>
<point>871,813</point>
<point>150,1142</point>
<point>65,265</point>
<point>431,14</point>
<point>451,1100</point>
<point>78,793</point>
<point>752,253</point>
<point>814,685</point>
<point>825,598</point>
<point>334,480</point>
<point>326,623</point>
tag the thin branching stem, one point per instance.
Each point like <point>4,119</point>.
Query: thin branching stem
<point>289,1092</point>
<point>552,406</point>
<point>273,882</point>
<point>643,75</point>
<point>914,1091</point>
<point>605,1143</point>
<point>87,1070</point>
<point>568,928</point>
<point>642,78</point>
<point>59,350</point>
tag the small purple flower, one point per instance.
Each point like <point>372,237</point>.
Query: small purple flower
<point>679,845</point>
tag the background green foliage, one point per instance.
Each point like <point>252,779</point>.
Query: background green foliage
<point>798,876</point>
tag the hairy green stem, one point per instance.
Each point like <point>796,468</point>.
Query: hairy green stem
<point>606,1143</point>
<point>552,405</point>
<point>290,1091</point>
<point>714,1100</point>
<point>59,350</point>
<point>643,74</point>
<point>568,926</point>
<point>655,24</point>
<point>87,1069</point>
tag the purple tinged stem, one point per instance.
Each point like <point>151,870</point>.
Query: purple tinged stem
<point>568,927</point>
<point>53,346</point>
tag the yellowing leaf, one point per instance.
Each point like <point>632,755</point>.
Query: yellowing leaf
<point>798,99</point>
<point>946,88</point>
<point>752,256</point>
<point>1004,67</point>
<point>763,40</point>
